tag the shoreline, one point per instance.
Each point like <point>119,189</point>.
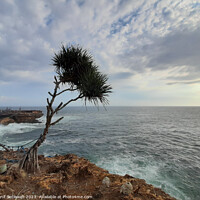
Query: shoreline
<point>70,176</point>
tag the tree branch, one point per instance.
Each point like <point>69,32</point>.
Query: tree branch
<point>50,94</point>
<point>49,105</point>
<point>65,91</point>
<point>53,123</point>
<point>79,97</point>
<point>55,79</point>
<point>57,109</point>
<point>48,102</point>
<point>1,145</point>
<point>56,82</point>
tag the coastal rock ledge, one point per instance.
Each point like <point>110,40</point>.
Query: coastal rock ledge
<point>19,116</point>
<point>72,177</point>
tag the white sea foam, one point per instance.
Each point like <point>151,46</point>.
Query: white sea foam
<point>13,129</point>
<point>18,128</point>
<point>42,119</point>
<point>147,170</point>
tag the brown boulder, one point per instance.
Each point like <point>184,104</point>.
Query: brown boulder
<point>6,121</point>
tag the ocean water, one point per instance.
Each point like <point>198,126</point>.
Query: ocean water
<point>158,144</point>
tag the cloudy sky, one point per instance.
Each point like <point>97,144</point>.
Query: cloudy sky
<point>150,49</point>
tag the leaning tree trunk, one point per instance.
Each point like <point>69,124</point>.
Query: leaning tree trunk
<point>29,162</point>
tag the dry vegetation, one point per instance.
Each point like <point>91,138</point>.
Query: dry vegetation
<point>71,177</point>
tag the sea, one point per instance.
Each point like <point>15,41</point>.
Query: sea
<point>158,144</point>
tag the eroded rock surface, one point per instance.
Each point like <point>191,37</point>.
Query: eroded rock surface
<point>19,116</point>
<point>70,175</point>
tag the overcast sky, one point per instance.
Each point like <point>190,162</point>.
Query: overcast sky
<point>149,49</point>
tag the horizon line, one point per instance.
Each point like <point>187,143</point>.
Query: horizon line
<point>102,106</point>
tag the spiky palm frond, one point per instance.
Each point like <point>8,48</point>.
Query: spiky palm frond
<point>94,87</point>
<point>71,63</point>
<point>75,66</point>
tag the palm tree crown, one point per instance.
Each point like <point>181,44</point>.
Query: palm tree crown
<point>75,66</point>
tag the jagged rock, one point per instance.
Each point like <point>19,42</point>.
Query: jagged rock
<point>83,172</point>
<point>19,116</point>
<point>126,188</point>
<point>15,172</point>
<point>106,181</point>
<point>64,178</point>
<point>6,121</point>
<point>5,180</point>
<point>128,176</point>
<point>2,184</point>
<point>97,195</point>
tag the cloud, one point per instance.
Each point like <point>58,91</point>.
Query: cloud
<point>173,52</point>
<point>129,39</point>
<point>7,100</point>
<point>122,75</point>
<point>176,49</point>
<point>154,36</point>
<point>184,82</point>
<point>24,76</point>
<point>21,46</point>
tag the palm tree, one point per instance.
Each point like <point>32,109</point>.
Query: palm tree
<point>76,70</point>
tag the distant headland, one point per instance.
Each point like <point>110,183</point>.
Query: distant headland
<point>8,116</point>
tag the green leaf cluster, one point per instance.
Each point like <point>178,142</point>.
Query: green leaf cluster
<point>76,67</point>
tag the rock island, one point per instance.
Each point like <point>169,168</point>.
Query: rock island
<point>19,116</point>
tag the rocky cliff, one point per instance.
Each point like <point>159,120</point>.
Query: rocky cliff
<point>19,116</point>
<point>72,177</point>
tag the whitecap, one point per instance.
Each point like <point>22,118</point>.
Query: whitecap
<point>143,168</point>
